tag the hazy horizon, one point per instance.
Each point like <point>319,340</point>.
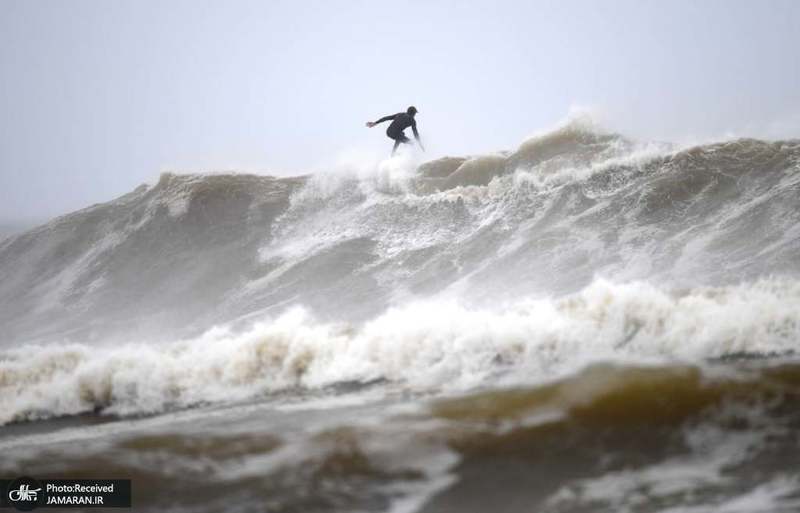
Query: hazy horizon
<point>99,97</point>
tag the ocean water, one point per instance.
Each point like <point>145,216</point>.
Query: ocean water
<point>587,323</point>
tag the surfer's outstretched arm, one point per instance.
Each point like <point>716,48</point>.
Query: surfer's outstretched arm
<point>384,118</point>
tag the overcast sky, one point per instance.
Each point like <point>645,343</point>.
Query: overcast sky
<point>97,97</point>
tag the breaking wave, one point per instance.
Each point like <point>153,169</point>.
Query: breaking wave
<point>172,259</point>
<point>425,346</point>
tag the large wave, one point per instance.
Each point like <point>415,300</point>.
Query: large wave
<point>579,245</point>
<point>173,259</point>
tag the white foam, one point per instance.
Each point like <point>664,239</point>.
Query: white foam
<point>424,345</point>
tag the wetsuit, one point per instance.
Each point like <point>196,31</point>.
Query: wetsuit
<point>400,122</point>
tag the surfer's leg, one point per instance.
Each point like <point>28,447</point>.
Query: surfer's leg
<point>398,138</point>
<point>401,138</point>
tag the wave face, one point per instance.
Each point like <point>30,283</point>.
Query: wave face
<point>193,251</point>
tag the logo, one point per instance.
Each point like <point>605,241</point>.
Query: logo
<point>25,494</point>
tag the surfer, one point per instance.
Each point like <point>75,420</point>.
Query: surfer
<point>400,122</point>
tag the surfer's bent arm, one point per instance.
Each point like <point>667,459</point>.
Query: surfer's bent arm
<point>416,135</point>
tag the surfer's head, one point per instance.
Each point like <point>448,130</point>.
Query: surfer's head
<point>411,110</point>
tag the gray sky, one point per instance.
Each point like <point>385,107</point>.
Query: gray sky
<point>97,97</point>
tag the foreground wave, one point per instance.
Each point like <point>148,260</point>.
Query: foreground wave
<point>423,346</point>
<point>607,438</point>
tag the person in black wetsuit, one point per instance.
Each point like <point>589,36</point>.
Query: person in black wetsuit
<point>400,122</point>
